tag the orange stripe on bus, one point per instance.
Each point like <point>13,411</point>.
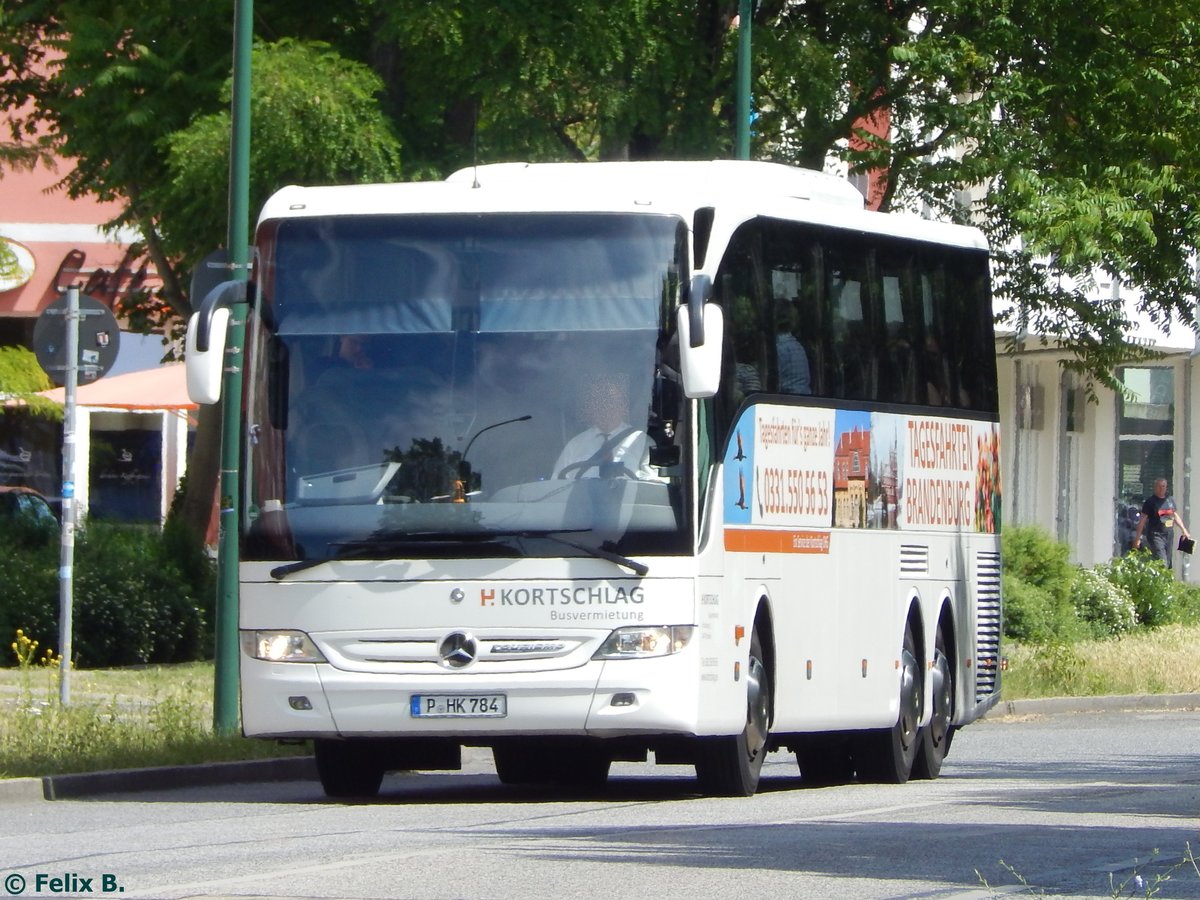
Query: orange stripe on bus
<point>762,540</point>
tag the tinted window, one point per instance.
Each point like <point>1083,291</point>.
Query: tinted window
<point>854,316</point>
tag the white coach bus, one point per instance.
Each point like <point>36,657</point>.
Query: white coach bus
<point>584,462</point>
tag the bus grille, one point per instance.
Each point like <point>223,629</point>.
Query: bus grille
<point>987,623</point>
<point>914,559</point>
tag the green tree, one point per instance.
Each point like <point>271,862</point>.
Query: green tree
<point>136,99</point>
<point>1068,130</point>
<point>315,119</point>
<point>1072,126</point>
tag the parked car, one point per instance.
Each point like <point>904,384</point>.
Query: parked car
<point>26,506</point>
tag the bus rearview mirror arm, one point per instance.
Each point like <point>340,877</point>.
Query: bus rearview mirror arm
<point>699,293</point>
<point>223,296</point>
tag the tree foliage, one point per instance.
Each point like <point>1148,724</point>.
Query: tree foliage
<point>1067,130</point>
<point>1071,124</point>
<point>304,96</point>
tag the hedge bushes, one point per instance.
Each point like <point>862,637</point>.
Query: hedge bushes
<point>140,595</point>
<point>1049,601</point>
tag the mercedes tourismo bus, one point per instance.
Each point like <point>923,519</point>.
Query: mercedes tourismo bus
<point>785,536</point>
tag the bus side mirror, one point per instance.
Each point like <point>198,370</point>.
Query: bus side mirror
<point>205,344</point>
<point>701,364</point>
<point>205,368</point>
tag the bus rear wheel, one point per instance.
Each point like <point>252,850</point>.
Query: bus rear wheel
<point>731,766</point>
<point>348,769</point>
<point>934,742</point>
<point>886,755</point>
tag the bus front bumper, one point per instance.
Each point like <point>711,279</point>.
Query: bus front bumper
<point>611,698</point>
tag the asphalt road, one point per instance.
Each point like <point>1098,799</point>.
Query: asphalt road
<point>1060,800</point>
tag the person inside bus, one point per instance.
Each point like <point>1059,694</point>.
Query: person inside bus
<point>792,360</point>
<point>353,352</point>
<point>609,447</point>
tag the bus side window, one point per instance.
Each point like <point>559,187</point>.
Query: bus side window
<point>739,285</point>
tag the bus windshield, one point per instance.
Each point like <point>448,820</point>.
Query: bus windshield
<point>459,385</point>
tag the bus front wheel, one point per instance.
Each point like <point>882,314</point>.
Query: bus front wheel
<point>348,769</point>
<point>731,766</point>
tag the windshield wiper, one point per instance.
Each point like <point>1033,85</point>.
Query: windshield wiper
<point>360,548</point>
<point>364,548</point>
<point>600,552</point>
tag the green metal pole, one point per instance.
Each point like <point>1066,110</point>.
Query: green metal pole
<point>745,14</point>
<point>225,689</point>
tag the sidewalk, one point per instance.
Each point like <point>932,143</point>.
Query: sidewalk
<point>302,768</point>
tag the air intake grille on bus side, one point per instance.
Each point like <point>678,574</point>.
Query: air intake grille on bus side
<point>987,624</point>
<point>914,559</point>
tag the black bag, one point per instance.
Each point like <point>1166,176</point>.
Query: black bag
<point>1186,545</point>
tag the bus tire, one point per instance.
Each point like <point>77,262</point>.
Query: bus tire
<point>730,766</point>
<point>886,755</point>
<point>934,742</point>
<point>348,769</point>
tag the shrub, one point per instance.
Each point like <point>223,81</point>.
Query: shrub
<point>138,596</point>
<point>1032,555</point>
<point>1151,585</point>
<point>1037,579</point>
<point>1105,607</point>
<point>1035,615</point>
<point>1187,597</point>
<point>29,599</point>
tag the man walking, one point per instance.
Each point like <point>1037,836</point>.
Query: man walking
<point>1159,516</point>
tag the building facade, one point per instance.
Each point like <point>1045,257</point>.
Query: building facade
<point>1081,467</point>
<point>129,456</point>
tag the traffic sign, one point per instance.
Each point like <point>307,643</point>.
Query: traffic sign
<point>99,340</point>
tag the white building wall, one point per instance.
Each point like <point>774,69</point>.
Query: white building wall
<point>1063,471</point>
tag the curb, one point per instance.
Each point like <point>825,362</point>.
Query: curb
<point>1111,703</point>
<point>118,781</point>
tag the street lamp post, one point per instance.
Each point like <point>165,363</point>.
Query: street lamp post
<point>745,15</point>
<point>225,687</point>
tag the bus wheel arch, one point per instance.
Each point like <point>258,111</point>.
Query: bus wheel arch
<point>731,765</point>
<point>887,754</point>
<point>764,627</point>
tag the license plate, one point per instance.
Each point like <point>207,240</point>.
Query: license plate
<point>458,706</point>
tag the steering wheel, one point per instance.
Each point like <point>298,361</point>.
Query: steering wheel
<point>607,469</point>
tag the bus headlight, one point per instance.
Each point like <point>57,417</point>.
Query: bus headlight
<point>281,646</point>
<point>638,642</point>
